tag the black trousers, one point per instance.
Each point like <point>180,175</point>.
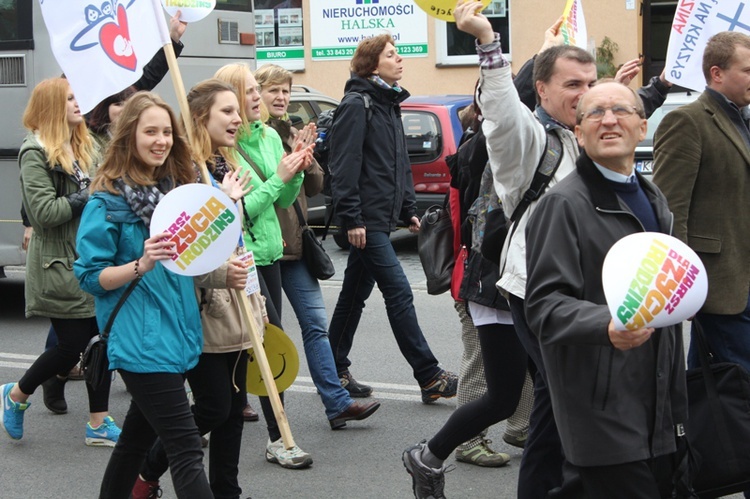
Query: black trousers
<point>504,362</point>
<point>218,409</point>
<point>159,408</point>
<point>649,479</point>
<point>73,335</point>
<point>270,287</point>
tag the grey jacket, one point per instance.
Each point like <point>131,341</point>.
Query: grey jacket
<point>611,406</point>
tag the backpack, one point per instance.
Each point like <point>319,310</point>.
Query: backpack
<point>323,143</point>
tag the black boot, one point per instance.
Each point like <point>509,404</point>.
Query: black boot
<point>54,394</point>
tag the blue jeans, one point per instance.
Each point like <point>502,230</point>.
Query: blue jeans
<point>306,298</point>
<point>377,262</point>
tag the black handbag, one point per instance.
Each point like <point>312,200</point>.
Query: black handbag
<point>435,246</point>
<point>313,253</point>
<point>94,362</point>
<point>718,426</point>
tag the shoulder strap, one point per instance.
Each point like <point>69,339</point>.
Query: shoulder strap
<point>121,301</point>
<point>250,162</point>
<point>300,215</point>
<point>545,170</point>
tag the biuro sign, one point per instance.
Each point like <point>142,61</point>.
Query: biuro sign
<point>652,280</point>
<point>204,224</point>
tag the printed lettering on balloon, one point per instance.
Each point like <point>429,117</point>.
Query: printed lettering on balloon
<point>663,278</point>
<point>192,234</point>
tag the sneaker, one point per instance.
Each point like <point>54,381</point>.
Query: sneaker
<point>144,489</point>
<point>515,440</point>
<point>104,435</point>
<point>294,458</point>
<point>11,413</point>
<point>355,389</point>
<point>427,483</point>
<point>482,455</point>
<point>444,385</point>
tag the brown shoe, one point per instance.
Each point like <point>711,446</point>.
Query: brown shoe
<point>249,414</point>
<point>357,411</point>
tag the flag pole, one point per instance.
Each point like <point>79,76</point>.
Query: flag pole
<point>260,352</point>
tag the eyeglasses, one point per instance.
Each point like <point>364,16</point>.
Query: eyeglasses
<point>620,112</point>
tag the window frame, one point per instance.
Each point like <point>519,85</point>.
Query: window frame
<point>234,8</point>
<point>25,28</point>
<point>441,41</point>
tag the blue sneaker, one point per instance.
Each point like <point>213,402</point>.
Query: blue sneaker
<point>104,435</point>
<point>11,413</point>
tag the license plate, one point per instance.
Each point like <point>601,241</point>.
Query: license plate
<point>644,165</point>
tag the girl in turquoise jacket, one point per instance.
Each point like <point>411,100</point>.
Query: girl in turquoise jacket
<point>157,335</point>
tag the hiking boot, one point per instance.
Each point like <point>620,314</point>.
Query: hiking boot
<point>355,389</point>
<point>294,458</point>
<point>146,489</point>
<point>11,413</point>
<point>427,483</point>
<point>104,435</point>
<point>515,440</point>
<point>444,385</point>
<point>54,394</point>
<point>482,455</point>
<point>248,413</point>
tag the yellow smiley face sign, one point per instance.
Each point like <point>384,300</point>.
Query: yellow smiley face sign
<point>441,9</point>
<point>282,358</point>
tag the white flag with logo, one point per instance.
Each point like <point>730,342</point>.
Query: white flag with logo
<point>694,23</point>
<point>573,28</point>
<point>102,47</point>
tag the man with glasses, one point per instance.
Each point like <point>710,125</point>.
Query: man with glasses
<point>516,141</point>
<point>618,395</point>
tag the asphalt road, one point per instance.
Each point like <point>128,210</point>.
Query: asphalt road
<point>362,461</point>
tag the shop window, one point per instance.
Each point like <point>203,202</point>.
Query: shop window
<point>455,48</point>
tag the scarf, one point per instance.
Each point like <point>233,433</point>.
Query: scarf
<point>143,199</point>
<point>379,82</point>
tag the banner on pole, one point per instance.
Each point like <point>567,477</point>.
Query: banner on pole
<point>573,27</point>
<point>694,23</point>
<point>102,49</point>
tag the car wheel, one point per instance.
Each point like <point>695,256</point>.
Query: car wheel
<point>341,240</point>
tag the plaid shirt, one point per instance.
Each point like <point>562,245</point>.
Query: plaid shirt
<point>491,54</point>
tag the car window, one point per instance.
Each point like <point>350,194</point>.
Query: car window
<point>326,106</point>
<point>422,130</point>
<point>303,110</point>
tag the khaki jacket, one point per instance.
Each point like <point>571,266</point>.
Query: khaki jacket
<point>702,165</point>
<point>223,327</point>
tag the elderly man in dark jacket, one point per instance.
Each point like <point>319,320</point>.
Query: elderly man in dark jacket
<point>617,395</point>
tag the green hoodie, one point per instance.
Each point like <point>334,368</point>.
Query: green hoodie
<point>262,232</point>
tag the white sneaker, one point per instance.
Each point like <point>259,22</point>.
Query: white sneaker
<point>294,458</point>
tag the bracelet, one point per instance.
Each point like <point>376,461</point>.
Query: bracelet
<point>135,269</point>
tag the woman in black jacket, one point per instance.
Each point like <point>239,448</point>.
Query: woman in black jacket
<point>372,190</point>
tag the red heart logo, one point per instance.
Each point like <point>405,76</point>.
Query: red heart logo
<point>115,40</point>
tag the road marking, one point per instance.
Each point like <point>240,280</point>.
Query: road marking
<point>20,356</point>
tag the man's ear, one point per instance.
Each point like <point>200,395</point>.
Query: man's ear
<point>541,89</point>
<point>579,136</point>
<point>644,129</point>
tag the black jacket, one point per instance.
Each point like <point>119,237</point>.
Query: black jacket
<point>611,406</point>
<point>371,179</point>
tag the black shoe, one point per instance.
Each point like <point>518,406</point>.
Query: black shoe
<point>54,395</point>
<point>355,389</point>
<point>426,482</point>
<point>444,385</point>
<point>355,412</point>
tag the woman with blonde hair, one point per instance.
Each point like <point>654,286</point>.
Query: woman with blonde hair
<point>276,181</point>
<point>157,336</point>
<point>55,159</point>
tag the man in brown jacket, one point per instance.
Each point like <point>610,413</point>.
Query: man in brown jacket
<point>702,164</point>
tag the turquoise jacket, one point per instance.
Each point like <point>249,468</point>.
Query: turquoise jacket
<point>262,231</point>
<point>158,329</point>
